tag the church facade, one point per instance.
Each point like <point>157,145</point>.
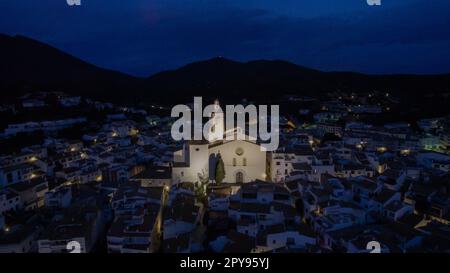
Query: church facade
<point>243,161</point>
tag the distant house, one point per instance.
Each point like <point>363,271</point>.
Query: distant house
<point>277,237</point>
<point>58,198</point>
<point>18,239</point>
<point>154,176</point>
<point>135,231</point>
<point>31,193</point>
<point>33,103</point>
<point>396,209</point>
<point>67,101</point>
<point>180,216</point>
<point>330,128</point>
<point>14,174</point>
<point>53,125</point>
<point>9,201</point>
<point>79,225</point>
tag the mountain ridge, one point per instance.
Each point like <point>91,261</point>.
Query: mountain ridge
<point>29,65</point>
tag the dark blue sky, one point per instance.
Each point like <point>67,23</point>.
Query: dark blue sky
<point>142,37</point>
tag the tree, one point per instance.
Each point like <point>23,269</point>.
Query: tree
<point>200,188</point>
<point>220,169</point>
<point>200,193</point>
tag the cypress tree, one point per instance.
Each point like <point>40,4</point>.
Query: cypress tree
<point>220,170</point>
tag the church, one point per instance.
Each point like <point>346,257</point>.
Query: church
<point>243,160</point>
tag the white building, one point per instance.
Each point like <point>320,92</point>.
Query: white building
<point>80,227</point>
<point>17,173</point>
<point>9,201</point>
<point>14,129</point>
<point>243,161</point>
<point>58,198</point>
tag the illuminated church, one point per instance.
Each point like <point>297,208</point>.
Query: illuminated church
<point>243,159</point>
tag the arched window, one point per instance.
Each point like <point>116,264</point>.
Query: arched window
<point>239,177</point>
<point>234,161</point>
<point>244,161</point>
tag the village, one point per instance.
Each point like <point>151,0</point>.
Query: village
<point>111,178</point>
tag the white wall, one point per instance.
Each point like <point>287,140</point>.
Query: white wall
<point>255,159</point>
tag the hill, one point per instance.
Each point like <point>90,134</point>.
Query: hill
<point>28,65</point>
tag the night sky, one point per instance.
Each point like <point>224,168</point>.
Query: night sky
<point>142,37</point>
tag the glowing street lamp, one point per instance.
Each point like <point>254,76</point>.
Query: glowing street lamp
<point>405,152</point>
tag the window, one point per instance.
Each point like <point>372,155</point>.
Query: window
<point>234,162</point>
<point>239,177</point>
<point>182,173</point>
<point>244,161</point>
<point>239,151</point>
<point>278,163</point>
